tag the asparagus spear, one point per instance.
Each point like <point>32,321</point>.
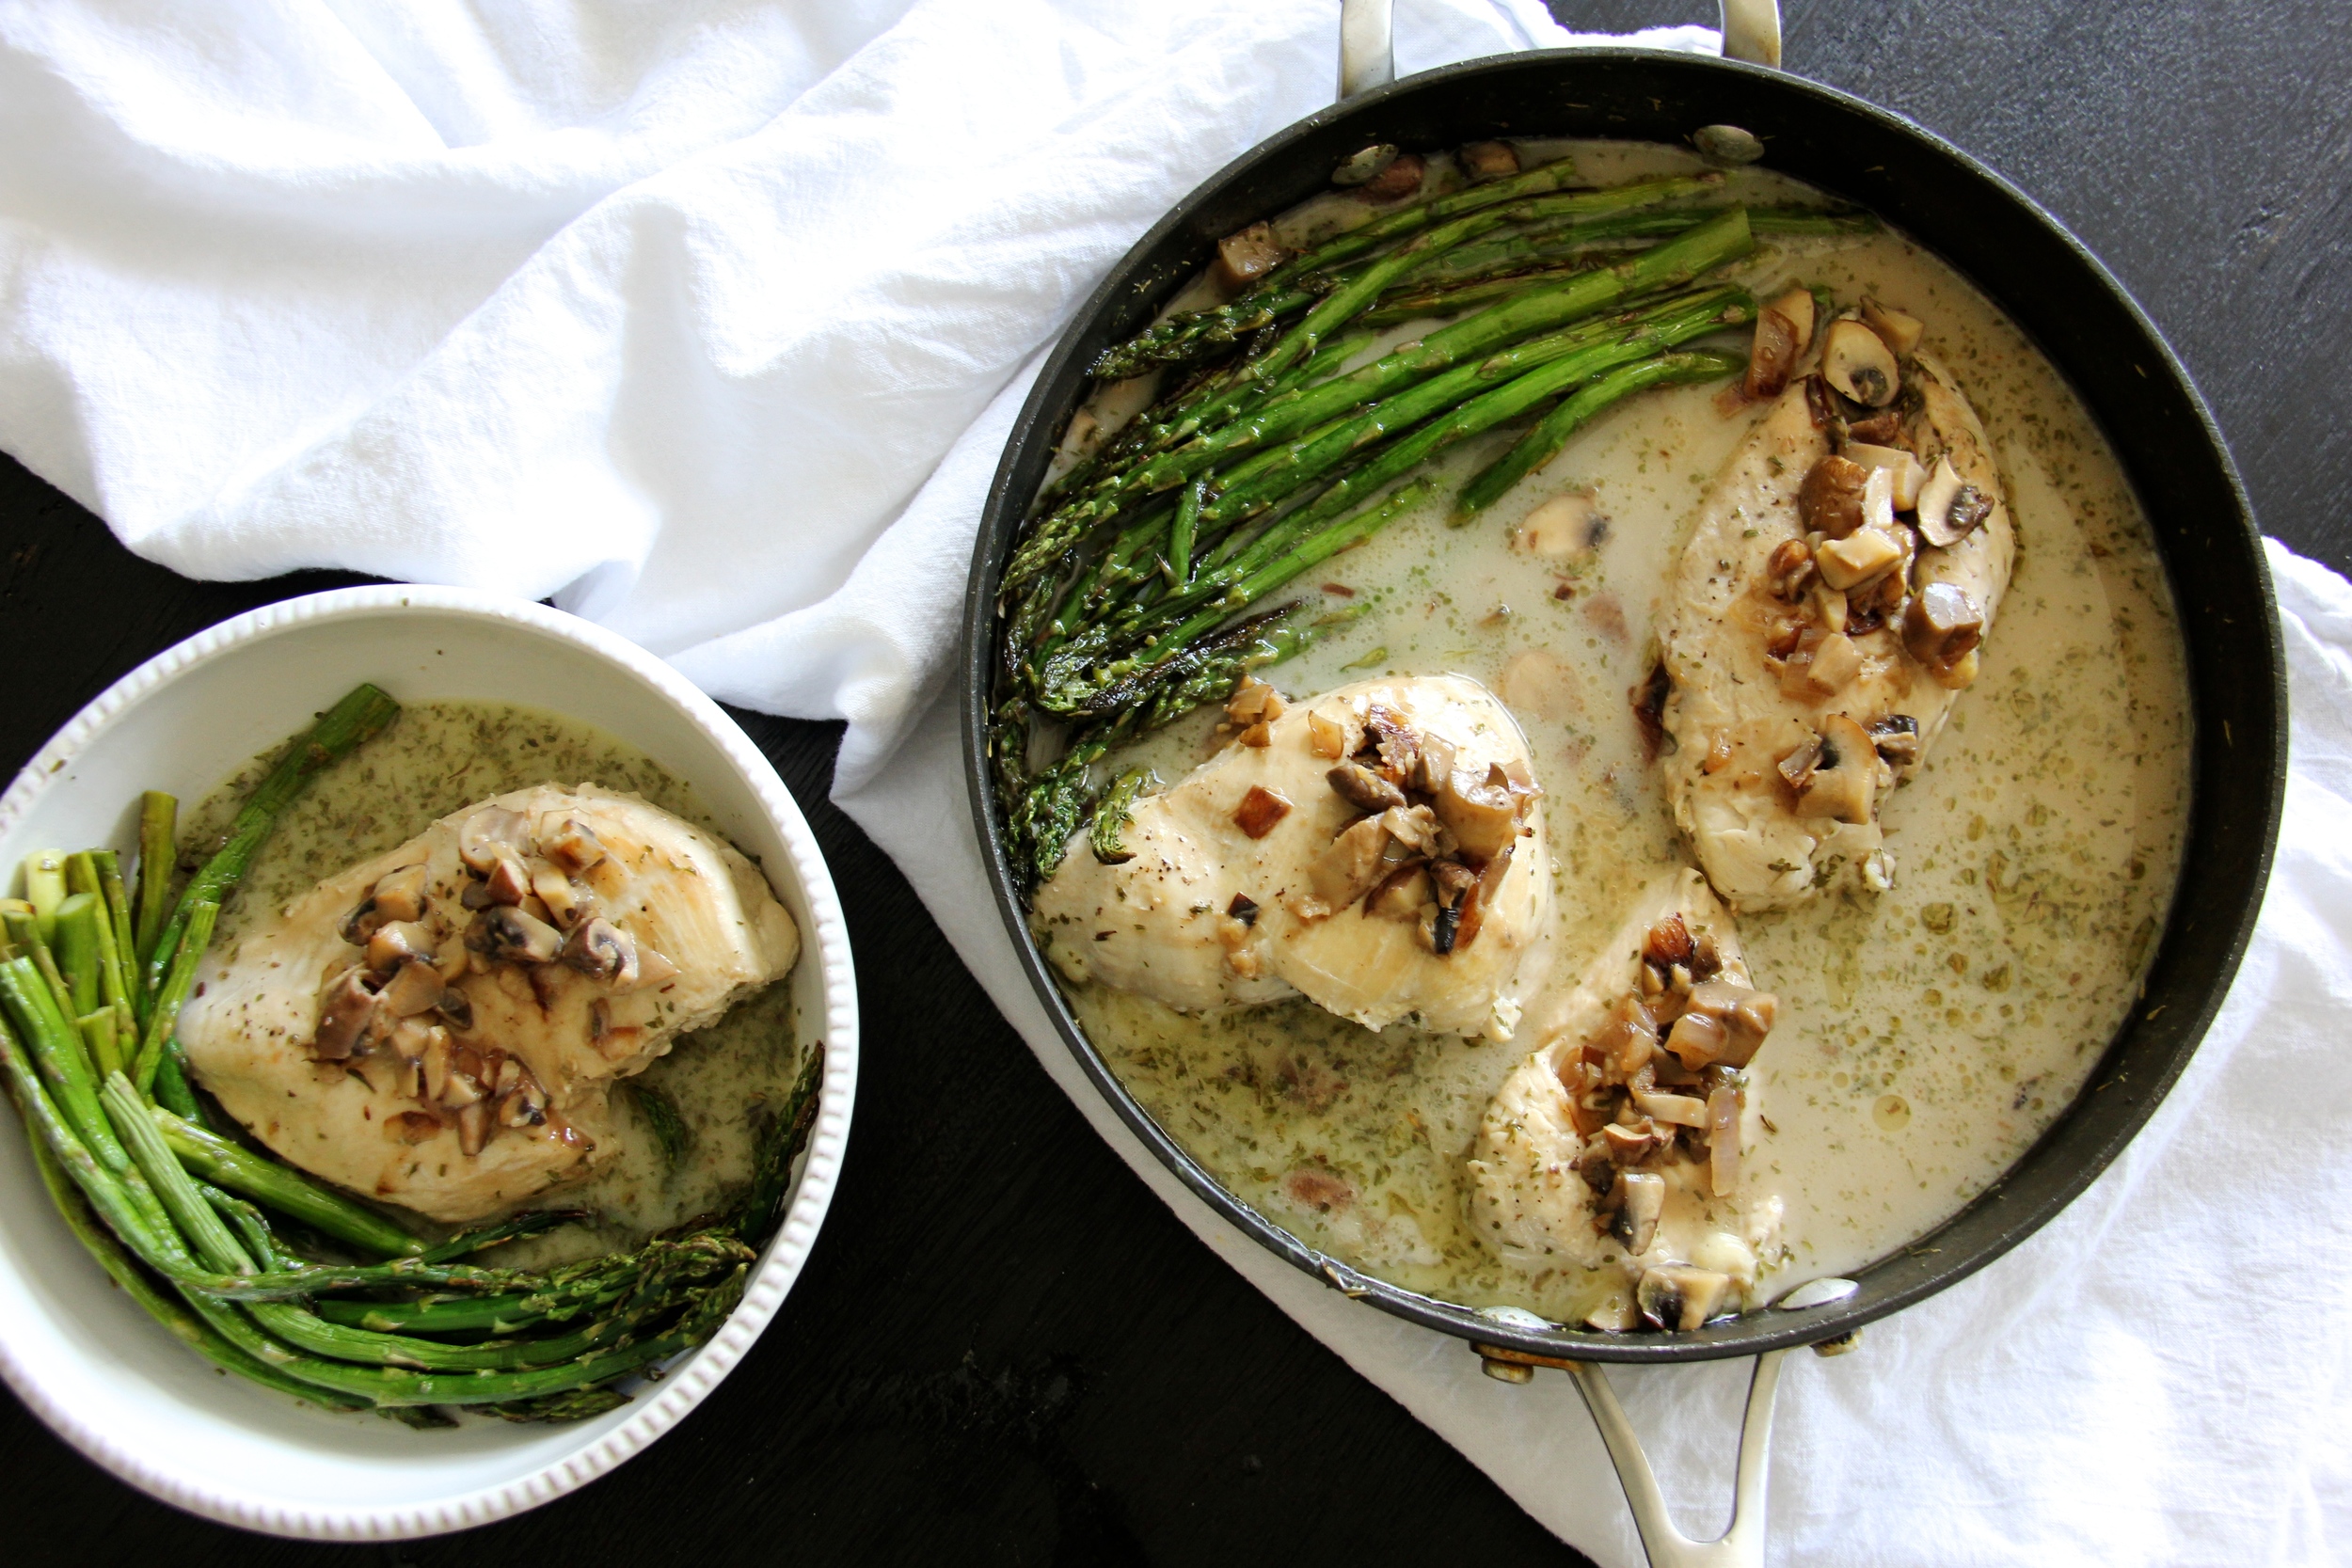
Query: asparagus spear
<point>77,923</point>
<point>340,729</point>
<point>289,1191</point>
<point>178,979</point>
<point>1538,445</point>
<point>57,1045</point>
<point>159,830</point>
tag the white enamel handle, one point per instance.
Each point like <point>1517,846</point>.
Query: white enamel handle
<point>1367,32</point>
<point>1742,1545</point>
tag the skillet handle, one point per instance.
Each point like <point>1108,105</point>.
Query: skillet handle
<point>1368,34</point>
<point>1740,1545</point>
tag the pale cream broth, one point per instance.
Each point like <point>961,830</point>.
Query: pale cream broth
<point>1928,1035</point>
<point>436,757</point>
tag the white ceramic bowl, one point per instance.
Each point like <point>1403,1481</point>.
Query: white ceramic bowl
<point>107,1377</point>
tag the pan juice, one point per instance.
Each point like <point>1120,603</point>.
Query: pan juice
<point>1927,1035</point>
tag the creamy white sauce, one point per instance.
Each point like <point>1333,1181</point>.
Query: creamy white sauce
<point>1928,1035</point>
<point>436,757</point>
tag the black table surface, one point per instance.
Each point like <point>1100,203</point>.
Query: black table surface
<point>1004,1349</point>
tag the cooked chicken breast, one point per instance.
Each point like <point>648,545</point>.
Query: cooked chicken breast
<point>1634,1190</point>
<point>1821,625</point>
<point>1378,850</point>
<point>438,1026</point>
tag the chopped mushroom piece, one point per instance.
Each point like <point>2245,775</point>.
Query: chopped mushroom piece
<point>1354,864</point>
<point>1483,814</point>
<point>1909,477</point>
<point>1950,509</point>
<point>1489,160</point>
<point>1678,1109</point>
<point>492,834</point>
<point>1898,331</point>
<point>1830,501</point>
<point>1858,363</point>
<point>1943,626</point>
<point>504,932</point>
<point>1641,1200</point>
<point>1326,737</point>
<point>1401,179</point>
<point>1668,942</point>
<point>1358,167</point>
<point>1746,1014</point>
<point>1404,895</point>
<point>1829,666</point>
<point>1261,810</point>
<point>601,951</point>
<point>348,1018</point>
<point>1897,739</point>
<point>1246,256</point>
<point>1674,1297</point>
<point>1698,1038</point>
<point>1723,1140</point>
<point>1783,328</point>
<point>1857,558</point>
<point>416,988</point>
<point>1845,780</point>
<point>399,895</point>
<point>1364,789</point>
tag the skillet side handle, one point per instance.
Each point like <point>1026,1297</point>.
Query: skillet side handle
<point>1752,31</point>
<point>1739,1546</point>
<point>1368,45</point>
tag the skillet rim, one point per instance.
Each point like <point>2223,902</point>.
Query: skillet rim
<point>2112,1106</point>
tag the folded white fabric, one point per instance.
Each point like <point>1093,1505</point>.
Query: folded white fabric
<point>711,318</point>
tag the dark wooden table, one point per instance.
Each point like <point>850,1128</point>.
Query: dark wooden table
<point>1004,1349</point>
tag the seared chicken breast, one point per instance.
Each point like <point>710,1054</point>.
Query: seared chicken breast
<point>1824,618</point>
<point>439,1026</point>
<point>1616,1146</point>
<point>1378,850</point>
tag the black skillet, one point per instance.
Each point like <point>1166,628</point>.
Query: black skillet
<point>2089,327</point>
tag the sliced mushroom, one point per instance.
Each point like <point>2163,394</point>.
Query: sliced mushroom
<point>396,941</point>
<point>1895,738</point>
<point>1261,810</point>
<point>455,1009</point>
<point>1796,769</point>
<point>1246,256</point>
<point>1453,884</point>
<point>1253,701</point>
<point>1790,571</point>
<point>1481,814</point>
<point>437,1052</point>
<point>1362,788</point>
<point>1723,1140</point>
<point>1950,509</point>
<point>1746,1014</point>
<point>1353,863</point>
<point>1641,1199</point>
<point>473,1126</point>
<point>601,951</point>
<point>1783,328</point>
<point>1698,1038</point>
<point>1845,781</point>
<point>1897,330</point>
<point>348,1018</point>
<point>1943,625</point>
<point>1395,742</point>
<point>1908,477</point>
<point>1856,559</point>
<point>1562,529</point>
<point>508,883</point>
<point>573,846</point>
<point>1326,737</point>
<point>653,970</point>
<point>1628,1042</point>
<point>1489,160</point>
<point>566,899</point>
<point>1366,165</point>
<point>492,834</point>
<point>416,988</point>
<point>507,933</point>
<point>1857,362</point>
<point>1405,894</point>
<point>1418,829</point>
<point>1830,499</point>
<point>1825,666</point>
<point>1667,942</point>
<point>399,895</point>
<point>1675,1297</point>
<point>1628,1145</point>
<point>1678,1110</point>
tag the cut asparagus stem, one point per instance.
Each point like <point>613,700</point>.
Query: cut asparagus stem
<point>173,1091</point>
<point>98,1037</point>
<point>347,726</point>
<point>121,945</point>
<point>57,1046</point>
<point>1180,536</point>
<point>1414,217</point>
<point>265,1180</point>
<point>45,888</point>
<point>1542,443</point>
<point>195,936</point>
<point>77,923</point>
<point>466,1243</point>
<point>159,848</point>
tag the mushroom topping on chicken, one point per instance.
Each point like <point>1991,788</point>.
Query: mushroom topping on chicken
<point>1386,837</point>
<point>1618,1146</point>
<point>1826,614</point>
<point>439,1026</point>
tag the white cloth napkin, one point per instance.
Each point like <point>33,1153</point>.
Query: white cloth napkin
<point>710,319</point>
